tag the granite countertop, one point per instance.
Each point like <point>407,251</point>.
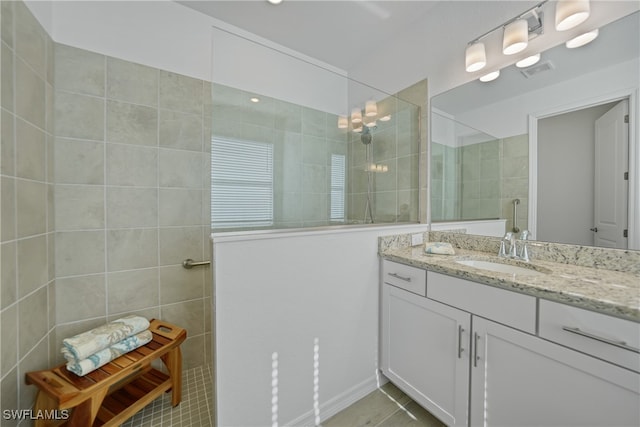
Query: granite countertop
<point>615,293</point>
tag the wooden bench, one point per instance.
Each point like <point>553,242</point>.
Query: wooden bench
<point>114,392</point>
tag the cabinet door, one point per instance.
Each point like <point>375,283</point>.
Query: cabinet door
<point>425,352</point>
<point>521,380</point>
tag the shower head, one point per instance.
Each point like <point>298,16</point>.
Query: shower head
<point>366,136</point>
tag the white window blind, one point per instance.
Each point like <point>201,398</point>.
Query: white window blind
<point>337,187</point>
<point>241,184</point>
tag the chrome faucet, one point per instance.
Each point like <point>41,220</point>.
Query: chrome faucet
<point>524,251</point>
<point>509,246</point>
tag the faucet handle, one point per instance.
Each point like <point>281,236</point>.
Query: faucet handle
<point>524,235</point>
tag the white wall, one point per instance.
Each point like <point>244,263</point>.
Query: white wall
<point>510,117</point>
<point>169,36</point>
<point>278,292</point>
<point>566,147</point>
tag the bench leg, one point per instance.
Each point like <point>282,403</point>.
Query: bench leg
<point>173,361</point>
<point>45,403</point>
<point>85,413</point>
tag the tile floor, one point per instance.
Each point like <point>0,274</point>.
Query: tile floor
<point>385,407</point>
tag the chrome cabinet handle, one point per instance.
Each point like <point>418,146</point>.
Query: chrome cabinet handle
<point>476,338</point>
<point>397,276</point>
<point>460,349</point>
<point>620,344</point>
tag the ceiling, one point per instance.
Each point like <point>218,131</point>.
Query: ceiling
<point>339,33</point>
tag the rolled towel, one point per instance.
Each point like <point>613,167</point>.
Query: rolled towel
<point>87,343</point>
<point>104,356</point>
<point>441,248</point>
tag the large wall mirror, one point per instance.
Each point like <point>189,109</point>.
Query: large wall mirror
<point>552,148</point>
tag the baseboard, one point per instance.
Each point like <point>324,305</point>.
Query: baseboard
<point>339,402</point>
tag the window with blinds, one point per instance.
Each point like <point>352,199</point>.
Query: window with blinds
<point>241,184</point>
<point>337,187</point>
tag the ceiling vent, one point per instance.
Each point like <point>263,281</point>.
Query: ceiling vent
<point>537,69</point>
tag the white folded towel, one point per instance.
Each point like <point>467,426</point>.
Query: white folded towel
<point>102,357</point>
<point>441,248</point>
<point>87,343</point>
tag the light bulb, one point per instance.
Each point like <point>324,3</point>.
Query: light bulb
<point>475,57</point>
<point>516,37</point>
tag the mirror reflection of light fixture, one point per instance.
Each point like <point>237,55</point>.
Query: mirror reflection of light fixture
<point>571,13</point>
<point>343,122</point>
<point>356,115</point>
<point>385,118</point>
<point>582,39</point>
<point>516,37</point>
<point>475,57</point>
<point>371,108</point>
<point>490,77</point>
<point>528,61</point>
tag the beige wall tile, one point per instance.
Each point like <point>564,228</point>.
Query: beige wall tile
<point>179,284</point>
<point>180,130</point>
<point>79,207</point>
<point>180,168</point>
<point>78,161</point>
<point>180,243</point>
<point>180,93</point>
<point>9,338</point>
<point>132,124</point>
<point>29,94</point>
<point>10,388</point>
<point>79,116</point>
<point>31,198</point>
<point>133,248</point>
<point>7,147</point>
<point>132,207</point>
<point>80,252</point>
<point>32,264</point>
<point>8,287</point>
<point>193,351</point>
<point>7,76</point>
<point>8,209</point>
<point>79,71</point>
<point>188,315</point>
<point>7,22</point>
<point>80,298</point>
<point>30,38</point>
<point>133,290</point>
<point>30,151</point>
<point>180,207</point>
<point>130,165</point>
<point>130,82</point>
<point>34,322</point>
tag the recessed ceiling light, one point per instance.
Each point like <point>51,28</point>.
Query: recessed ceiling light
<point>254,99</point>
<point>582,39</point>
<point>490,77</point>
<point>526,62</point>
<point>275,1</point>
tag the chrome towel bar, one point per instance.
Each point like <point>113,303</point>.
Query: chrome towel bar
<point>189,263</point>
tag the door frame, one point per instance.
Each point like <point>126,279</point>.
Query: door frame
<point>633,214</point>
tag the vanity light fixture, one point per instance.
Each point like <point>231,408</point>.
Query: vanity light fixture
<point>363,118</point>
<point>490,77</point>
<point>516,34</point>
<point>255,100</point>
<point>475,57</point>
<point>528,61</point>
<point>571,13</point>
<point>516,37</point>
<point>343,122</point>
<point>385,118</point>
<point>582,39</point>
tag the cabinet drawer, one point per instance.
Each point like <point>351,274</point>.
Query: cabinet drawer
<point>606,337</point>
<point>506,307</point>
<point>403,276</point>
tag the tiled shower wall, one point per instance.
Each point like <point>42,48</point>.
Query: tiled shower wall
<point>98,207</point>
<point>27,297</point>
<point>481,180</point>
<point>131,196</point>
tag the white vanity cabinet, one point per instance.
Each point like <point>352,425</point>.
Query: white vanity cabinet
<point>425,352</point>
<point>519,379</point>
<point>478,355</point>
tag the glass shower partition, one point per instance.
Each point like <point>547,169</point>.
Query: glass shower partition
<point>296,145</point>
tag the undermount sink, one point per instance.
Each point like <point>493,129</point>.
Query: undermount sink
<point>500,267</point>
